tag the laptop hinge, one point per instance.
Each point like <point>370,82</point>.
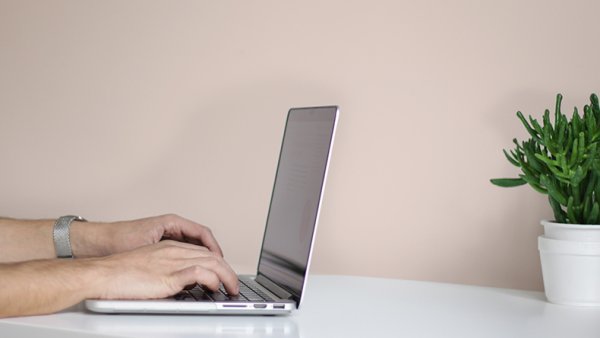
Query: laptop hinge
<point>274,288</point>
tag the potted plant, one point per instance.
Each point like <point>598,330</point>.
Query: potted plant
<point>562,159</point>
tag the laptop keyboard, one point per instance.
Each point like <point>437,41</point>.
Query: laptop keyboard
<point>249,291</point>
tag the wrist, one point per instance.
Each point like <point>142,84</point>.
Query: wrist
<point>83,276</point>
<point>94,275</point>
<point>103,275</point>
<point>89,239</point>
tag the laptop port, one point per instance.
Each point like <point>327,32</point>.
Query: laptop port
<point>260,306</point>
<point>279,306</point>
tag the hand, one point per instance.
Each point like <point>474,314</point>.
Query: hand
<point>154,271</point>
<point>101,239</point>
<point>160,270</point>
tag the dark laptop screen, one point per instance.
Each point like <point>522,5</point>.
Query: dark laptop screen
<point>296,197</point>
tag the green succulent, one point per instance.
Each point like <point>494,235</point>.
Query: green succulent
<point>562,160</point>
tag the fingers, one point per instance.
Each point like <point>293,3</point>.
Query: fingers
<point>209,274</point>
<point>183,245</point>
<point>223,271</point>
<point>197,274</point>
<point>208,239</point>
<point>208,266</point>
<point>180,228</point>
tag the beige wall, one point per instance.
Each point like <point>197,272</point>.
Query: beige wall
<point>123,109</point>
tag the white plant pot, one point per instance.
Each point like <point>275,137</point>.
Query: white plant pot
<point>570,257</point>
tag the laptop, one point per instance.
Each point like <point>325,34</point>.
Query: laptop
<point>280,280</point>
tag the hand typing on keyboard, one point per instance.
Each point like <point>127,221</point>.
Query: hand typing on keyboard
<point>163,269</point>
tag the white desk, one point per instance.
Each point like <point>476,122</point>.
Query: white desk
<point>342,306</point>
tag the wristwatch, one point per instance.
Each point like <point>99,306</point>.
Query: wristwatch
<point>61,232</point>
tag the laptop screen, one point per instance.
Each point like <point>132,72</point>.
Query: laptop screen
<point>296,197</point>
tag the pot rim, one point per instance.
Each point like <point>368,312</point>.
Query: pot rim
<point>569,226</point>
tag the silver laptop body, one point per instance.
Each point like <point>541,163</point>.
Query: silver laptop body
<point>280,281</point>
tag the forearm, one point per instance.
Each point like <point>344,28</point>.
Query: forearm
<point>22,240</point>
<point>46,286</point>
<point>25,240</point>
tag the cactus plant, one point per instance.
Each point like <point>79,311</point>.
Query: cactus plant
<point>562,160</point>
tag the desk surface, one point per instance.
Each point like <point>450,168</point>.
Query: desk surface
<point>343,306</point>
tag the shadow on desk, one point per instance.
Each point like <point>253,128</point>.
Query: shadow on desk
<point>520,294</point>
<point>148,325</point>
<point>194,326</point>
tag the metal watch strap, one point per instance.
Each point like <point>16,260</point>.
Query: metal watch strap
<point>61,235</point>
